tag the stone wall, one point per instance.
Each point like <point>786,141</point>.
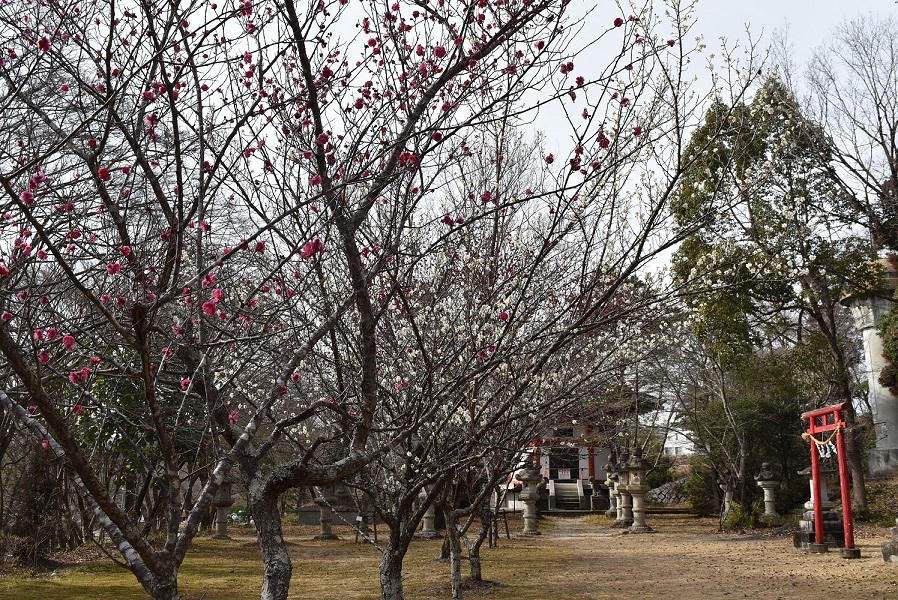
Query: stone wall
<point>669,493</point>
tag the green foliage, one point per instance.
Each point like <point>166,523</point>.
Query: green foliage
<point>760,408</point>
<point>888,331</point>
<point>661,473</point>
<point>793,493</point>
<point>768,271</point>
<point>882,504</point>
<point>700,493</point>
<point>752,205</point>
<point>740,517</point>
<point>240,516</point>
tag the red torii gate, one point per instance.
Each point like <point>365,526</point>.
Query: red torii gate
<point>824,420</point>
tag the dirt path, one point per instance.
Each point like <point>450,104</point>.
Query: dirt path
<point>687,560</point>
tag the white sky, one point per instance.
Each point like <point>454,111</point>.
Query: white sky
<point>809,22</point>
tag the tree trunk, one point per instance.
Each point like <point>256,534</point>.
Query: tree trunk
<point>853,446</point>
<point>476,564</point>
<point>444,547</point>
<point>163,588</point>
<point>854,457</point>
<point>391,574</point>
<point>486,528</point>
<point>278,568</point>
<point>454,555</point>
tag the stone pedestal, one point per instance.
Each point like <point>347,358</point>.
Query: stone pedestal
<point>769,488</point>
<point>768,481</point>
<point>867,309</point>
<point>624,508</point>
<point>531,478</point>
<point>612,502</point>
<point>222,502</point>
<point>890,549</point>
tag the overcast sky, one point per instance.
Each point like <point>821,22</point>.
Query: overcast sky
<point>808,24</point>
<point>809,21</point>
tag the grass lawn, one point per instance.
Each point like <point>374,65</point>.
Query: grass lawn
<point>232,569</point>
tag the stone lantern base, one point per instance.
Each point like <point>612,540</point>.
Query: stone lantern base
<point>325,520</point>
<point>833,532</point>
<point>428,529</point>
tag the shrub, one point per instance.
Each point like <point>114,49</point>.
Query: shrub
<point>661,474</point>
<point>882,505</point>
<point>788,497</point>
<point>240,516</point>
<point>741,517</point>
<point>699,495</point>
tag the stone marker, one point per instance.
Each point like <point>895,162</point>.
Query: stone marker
<point>833,532</point>
<point>326,519</point>
<point>867,308</point>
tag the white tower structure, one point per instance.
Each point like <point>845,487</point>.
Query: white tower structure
<point>867,308</point>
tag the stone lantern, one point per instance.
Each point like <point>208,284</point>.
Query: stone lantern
<point>222,502</point>
<point>624,499</point>
<point>325,500</point>
<point>826,503</point>
<point>611,480</point>
<point>637,467</point>
<point>428,521</point>
<point>531,478</point>
<point>768,481</point>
